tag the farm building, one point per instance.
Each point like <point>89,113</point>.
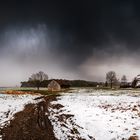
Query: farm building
<point>54,86</point>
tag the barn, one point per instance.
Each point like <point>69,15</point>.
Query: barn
<point>54,86</point>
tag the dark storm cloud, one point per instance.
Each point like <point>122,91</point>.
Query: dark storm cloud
<point>86,27</point>
<point>72,34</point>
<point>80,25</point>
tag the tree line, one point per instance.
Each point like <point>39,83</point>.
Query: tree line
<point>41,79</point>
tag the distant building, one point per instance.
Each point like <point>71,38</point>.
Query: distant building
<point>54,86</point>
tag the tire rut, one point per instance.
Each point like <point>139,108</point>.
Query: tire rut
<point>30,124</point>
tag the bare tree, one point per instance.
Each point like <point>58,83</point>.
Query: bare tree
<point>134,82</point>
<point>111,78</point>
<point>37,78</point>
<point>124,80</point>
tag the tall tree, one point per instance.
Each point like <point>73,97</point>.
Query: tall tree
<point>37,78</point>
<point>111,78</point>
<point>124,80</point>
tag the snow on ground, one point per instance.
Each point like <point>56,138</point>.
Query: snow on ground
<point>89,116</point>
<point>11,104</point>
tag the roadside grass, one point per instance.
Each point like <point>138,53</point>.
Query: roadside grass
<point>46,92</point>
<point>43,91</point>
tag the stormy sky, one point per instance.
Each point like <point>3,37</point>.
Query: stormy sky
<point>77,39</point>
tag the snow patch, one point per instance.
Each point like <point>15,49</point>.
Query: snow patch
<point>11,104</point>
<point>92,116</point>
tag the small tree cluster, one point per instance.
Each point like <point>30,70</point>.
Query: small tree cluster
<point>134,82</point>
<point>124,80</point>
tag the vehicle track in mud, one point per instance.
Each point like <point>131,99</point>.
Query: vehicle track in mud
<point>31,124</point>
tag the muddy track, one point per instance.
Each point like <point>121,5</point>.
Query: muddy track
<point>31,124</point>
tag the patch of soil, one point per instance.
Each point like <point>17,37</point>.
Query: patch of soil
<point>133,138</point>
<point>57,106</point>
<point>31,124</point>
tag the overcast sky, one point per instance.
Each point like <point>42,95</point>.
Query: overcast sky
<point>77,39</point>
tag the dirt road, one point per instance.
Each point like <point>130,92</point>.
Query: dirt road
<point>31,124</point>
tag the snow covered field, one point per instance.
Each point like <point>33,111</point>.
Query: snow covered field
<point>103,115</point>
<point>11,104</point>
